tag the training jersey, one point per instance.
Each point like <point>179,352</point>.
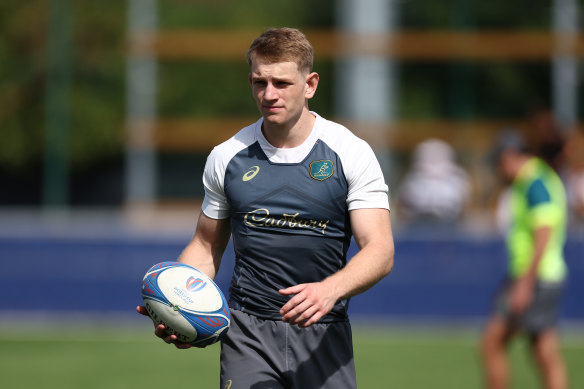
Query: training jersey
<point>537,199</point>
<point>289,209</point>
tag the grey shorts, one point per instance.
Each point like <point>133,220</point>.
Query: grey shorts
<point>268,354</point>
<point>541,314</point>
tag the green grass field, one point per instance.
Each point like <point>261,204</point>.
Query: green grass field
<point>385,358</point>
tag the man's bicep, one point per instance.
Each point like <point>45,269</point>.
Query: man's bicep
<point>371,224</point>
<point>374,260</point>
<point>208,244</point>
<point>213,232</point>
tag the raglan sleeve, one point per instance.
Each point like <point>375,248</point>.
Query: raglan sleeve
<point>367,187</point>
<point>215,204</point>
<point>543,211</point>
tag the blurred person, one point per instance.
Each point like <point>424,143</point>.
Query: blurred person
<point>574,177</point>
<point>435,189</point>
<point>575,188</point>
<point>291,190</point>
<point>528,302</point>
<point>547,138</point>
<point>564,151</point>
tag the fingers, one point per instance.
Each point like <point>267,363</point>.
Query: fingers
<point>305,308</point>
<point>160,331</point>
<point>183,346</point>
<point>294,302</point>
<point>292,290</point>
<point>313,319</point>
<point>296,312</point>
<point>306,317</point>
<point>142,310</point>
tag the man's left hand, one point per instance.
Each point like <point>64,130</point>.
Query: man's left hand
<point>310,303</point>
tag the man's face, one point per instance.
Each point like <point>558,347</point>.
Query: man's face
<point>280,90</point>
<point>507,166</point>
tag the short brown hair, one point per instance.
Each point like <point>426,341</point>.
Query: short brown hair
<point>282,45</point>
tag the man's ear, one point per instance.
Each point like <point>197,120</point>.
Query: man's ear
<point>249,78</point>
<point>311,85</point>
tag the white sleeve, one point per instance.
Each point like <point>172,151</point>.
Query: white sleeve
<point>367,188</point>
<point>215,203</point>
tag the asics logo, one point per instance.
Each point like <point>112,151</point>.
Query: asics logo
<point>228,384</point>
<point>251,173</point>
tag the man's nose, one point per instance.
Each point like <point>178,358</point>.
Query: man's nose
<point>271,93</point>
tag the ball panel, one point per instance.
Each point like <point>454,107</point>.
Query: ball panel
<point>172,318</point>
<point>150,289</point>
<point>204,340</point>
<point>189,289</point>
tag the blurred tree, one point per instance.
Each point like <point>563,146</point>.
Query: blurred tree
<point>520,14</point>
<point>232,14</point>
<point>23,27</point>
<point>98,81</point>
<point>211,89</point>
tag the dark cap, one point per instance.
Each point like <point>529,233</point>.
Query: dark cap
<point>509,139</point>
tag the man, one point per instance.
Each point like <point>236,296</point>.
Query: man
<point>290,189</point>
<point>530,300</point>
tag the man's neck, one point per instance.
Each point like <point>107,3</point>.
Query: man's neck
<point>289,136</point>
<point>521,164</point>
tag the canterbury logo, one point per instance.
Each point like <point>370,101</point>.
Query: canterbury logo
<point>253,171</point>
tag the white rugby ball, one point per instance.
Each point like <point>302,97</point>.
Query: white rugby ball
<point>187,302</point>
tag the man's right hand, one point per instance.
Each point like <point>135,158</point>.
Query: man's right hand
<point>160,331</point>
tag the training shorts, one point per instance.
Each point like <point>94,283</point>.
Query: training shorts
<point>540,315</point>
<point>272,354</point>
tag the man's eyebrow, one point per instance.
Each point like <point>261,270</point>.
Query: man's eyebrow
<point>257,77</point>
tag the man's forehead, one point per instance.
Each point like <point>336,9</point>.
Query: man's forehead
<point>279,69</point>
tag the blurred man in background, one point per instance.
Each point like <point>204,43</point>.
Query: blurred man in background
<point>436,190</point>
<point>529,301</point>
<point>574,178</point>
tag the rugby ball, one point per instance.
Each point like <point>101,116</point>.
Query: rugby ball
<point>187,302</point>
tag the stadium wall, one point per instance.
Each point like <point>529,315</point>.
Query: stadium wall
<point>450,278</point>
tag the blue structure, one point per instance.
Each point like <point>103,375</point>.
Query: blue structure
<point>448,278</point>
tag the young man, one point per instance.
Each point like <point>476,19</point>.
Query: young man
<point>531,297</point>
<point>291,190</point>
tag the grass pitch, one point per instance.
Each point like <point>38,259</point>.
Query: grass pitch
<point>120,359</point>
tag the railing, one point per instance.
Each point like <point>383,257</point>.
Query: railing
<point>472,137</point>
<point>404,45</point>
<point>436,46</point>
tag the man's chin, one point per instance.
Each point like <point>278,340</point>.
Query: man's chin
<point>272,118</point>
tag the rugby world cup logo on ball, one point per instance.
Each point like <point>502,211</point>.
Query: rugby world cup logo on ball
<point>195,284</point>
<point>187,302</point>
